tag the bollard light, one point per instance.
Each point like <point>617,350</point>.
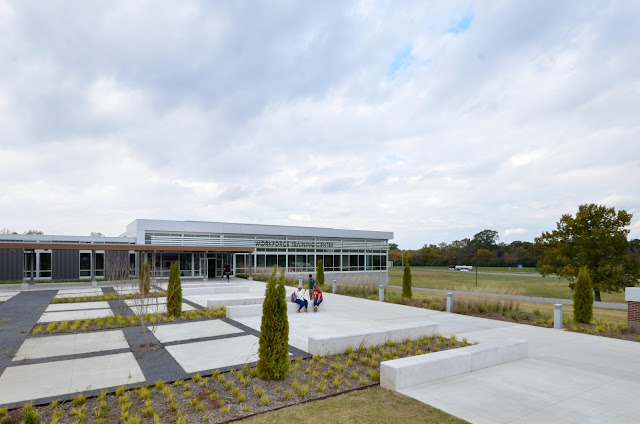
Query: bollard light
<point>557,316</point>
<point>449,302</point>
<point>335,286</point>
<point>381,293</point>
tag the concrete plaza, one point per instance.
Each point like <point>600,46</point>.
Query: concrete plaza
<point>567,377</point>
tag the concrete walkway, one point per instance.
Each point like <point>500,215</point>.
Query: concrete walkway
<point>609,305</point>
<point>46,367</point>
<point>567,378</point>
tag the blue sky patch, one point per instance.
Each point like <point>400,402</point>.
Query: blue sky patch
<point>461,25</point>
<point>403,60</point>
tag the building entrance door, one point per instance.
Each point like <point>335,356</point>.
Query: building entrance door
<point>211,266</point>
<point>219,267</point>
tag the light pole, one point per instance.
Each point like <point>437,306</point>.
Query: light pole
<point>476,268</point>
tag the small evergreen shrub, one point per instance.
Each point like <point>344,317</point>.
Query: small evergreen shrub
<point>406,281</point>
<point>583,297</point>
<point>174,291</point>
<point>320,273</point>
<point>273,350</point>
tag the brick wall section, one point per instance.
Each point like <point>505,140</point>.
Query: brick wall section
<point>633,314</point>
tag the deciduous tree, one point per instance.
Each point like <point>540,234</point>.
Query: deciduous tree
<point>486,239</point>
<point>596,238</point>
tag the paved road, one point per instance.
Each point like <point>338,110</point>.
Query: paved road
<point>609,305</point>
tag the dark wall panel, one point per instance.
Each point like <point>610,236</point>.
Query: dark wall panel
<point>65,265</point>
<point>11,263</point>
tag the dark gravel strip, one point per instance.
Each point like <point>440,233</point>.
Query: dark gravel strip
<point>118,306</point>
<point>188,302</point>
<point>18,315</point>
<point>54,359</point>
<point>154,360</point>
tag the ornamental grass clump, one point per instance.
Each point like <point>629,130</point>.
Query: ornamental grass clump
<point>174,291</point>
<point>273,351</point>
<point>583,297</point>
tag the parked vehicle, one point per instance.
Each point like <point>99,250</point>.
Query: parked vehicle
<point>463,268</point>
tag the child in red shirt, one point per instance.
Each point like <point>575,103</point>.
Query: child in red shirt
<point>317,297</point>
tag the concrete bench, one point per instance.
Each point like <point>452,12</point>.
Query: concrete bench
<point>196,291</point>
<point>252,310</point>
<point>406,372</point>
<point>329,345</point>
<point>217,303</point>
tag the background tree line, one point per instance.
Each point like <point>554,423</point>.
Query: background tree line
<point>483,249</point>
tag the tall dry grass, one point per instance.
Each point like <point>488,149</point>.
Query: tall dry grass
<point>480,300</point>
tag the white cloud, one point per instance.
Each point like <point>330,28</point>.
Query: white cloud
<point>513,231</point>
<point>155,110</point>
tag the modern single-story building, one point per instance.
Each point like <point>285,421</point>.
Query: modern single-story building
<point>202,249</point>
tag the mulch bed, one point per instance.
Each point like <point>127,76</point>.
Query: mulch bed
<point>223,397</point>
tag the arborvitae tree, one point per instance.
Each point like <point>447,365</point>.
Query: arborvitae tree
<point>273,350</point>
<point>320,273</point>
<point>583,297</point>
<point>406,281</point>
<point>174,291</point>
<point>145,279</point>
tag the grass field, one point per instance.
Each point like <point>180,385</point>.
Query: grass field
<point>375,405</point>
<point>499,278</point>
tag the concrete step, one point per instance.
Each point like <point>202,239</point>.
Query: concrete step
<point>414,370</point>
<point>197,291</point>
<point>217,303</point>
<point>252,310</point>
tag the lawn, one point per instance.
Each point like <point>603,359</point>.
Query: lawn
<point>373,405</point>
<point>500,278</point>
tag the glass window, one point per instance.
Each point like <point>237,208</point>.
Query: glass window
<point>186,261</point>
<point>99,264</point>
<point>261,263</point>
<point>291,263</point>
<point>44,268</point>
<point>301,263</point>
<point>271,260</point>
<point>328,262</point>
<point>353,262</point>
<point>85,264</point>
<point>29,261</point>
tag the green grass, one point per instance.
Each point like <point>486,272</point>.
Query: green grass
<point>119,321</point>
<point>441,278</point>
<point>374,405</point>
<point>104,297</point>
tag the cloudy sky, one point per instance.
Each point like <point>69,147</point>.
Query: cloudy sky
<point>434,120</point>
